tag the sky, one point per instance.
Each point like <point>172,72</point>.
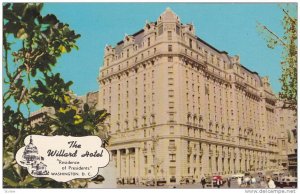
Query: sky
<point>226,26</point>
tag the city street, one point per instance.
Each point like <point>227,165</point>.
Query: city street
<point>234,185</point>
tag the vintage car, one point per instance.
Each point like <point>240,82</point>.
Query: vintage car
<point>236,176</point>
<point>159,182</point>
<point>287,181</point>
<point>260,173</point>
<point>214,179</point>
<point>186,180</point>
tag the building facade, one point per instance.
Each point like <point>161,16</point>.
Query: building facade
<point>182,108</point>
<point>287,141</point>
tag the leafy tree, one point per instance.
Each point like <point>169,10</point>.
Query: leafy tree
<point>288,43</point>
<point>32,43</point>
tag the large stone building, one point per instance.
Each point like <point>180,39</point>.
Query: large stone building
<point>182,108</point>
<point>286,120</point>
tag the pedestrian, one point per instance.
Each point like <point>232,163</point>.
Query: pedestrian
<point>228,182</point>
<point>239,181</point>
<point>123,181</point>
<point>203,181</point>
<point>247,181</point>
<point>270,183</point>
<point>218,183</point>
<point>258,180</point>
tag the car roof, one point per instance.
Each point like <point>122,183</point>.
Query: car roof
<point>290,177</point>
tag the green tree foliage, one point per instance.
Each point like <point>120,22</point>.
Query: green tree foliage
<point>32,43</point>
<point>288,43</point>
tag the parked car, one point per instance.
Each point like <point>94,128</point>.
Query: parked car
<point>143,181</point>
<point>159,182</point>
<point>236,176</point>
<point>210,180</point>
<point>216,178</point>
<point>186,180</point>
<point>287,181</point>
<point>260,173</point>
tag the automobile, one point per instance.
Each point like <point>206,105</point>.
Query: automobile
<point>276,176</point>
<point>150,182</point>
<point>216,178</point>
<point>186,180</point>
<point>143,181</point>
<point>287,181</point>
<point>260,173</point>
<point>236,176</point>
<point>159,182</point>
<point>278,173</point>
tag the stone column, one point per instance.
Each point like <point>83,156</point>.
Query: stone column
<point>220,165</point>
<point>141,164</point>
<point>197,166</point>
<point>214,159</point>
<point>226,163</point>
<point>118,162</point>
<point>205,161</point>
<point>137,163</point>
<point>127,163</point>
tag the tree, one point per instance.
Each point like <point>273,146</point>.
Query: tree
<point>32,43</point>
<point>288,43</point>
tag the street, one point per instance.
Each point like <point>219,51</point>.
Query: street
<point>234,185</point>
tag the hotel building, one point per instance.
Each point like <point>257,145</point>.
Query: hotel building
<point>182,108</point>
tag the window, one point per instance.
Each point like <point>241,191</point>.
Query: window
<point>172,157</point>
<point>170,48</point>
<point>171,93</point>
<point>127,52</point>
<point>177,30</point>
<point>160,30</point>
<point>171,115</point>
<point>149,41</point>
<point>170,59</point>
<point>172,170</point>
<point>171,105</point>
<point>191,43</point>
<point>171,129</point>
<point>169,35</point>
<point>172,143</point>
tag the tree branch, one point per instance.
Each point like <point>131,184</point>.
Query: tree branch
<point>272,33</point>
<point>288,15</point>
<point>6,58</point>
